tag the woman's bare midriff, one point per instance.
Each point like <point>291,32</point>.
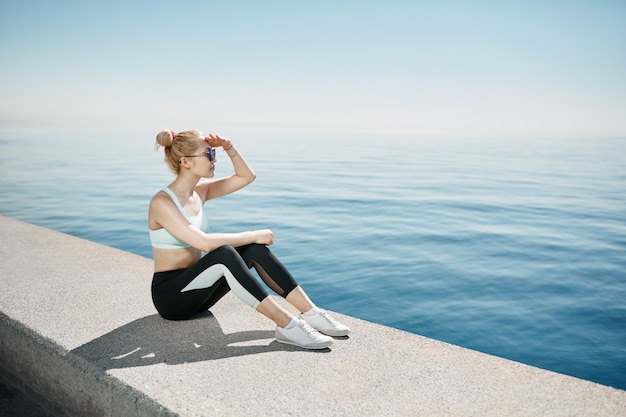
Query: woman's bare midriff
<point>172,259</point>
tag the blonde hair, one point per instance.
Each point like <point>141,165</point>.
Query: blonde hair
<point>177,145</point>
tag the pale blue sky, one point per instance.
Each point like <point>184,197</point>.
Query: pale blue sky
<point>547,68</point>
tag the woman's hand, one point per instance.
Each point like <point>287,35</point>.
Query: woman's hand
<point>215,141</point>
<point>264,237</point>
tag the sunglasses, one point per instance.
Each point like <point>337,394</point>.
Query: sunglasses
<point>210,153</point>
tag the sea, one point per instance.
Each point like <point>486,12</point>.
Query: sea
<point>515,247</point>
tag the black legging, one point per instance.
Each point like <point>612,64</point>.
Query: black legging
<point>182,293</point>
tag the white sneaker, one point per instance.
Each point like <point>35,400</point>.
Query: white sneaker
<point>324,323</point>
<point>303,336</point>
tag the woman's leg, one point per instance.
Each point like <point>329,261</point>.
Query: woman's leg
<point>221,289</point>
<point>269,268</point>
<point>279,279</point>
<point>275,275</point>
<point>300,300</point>
<point>184,293</point>
<point>180,294</point>
<point>272,310</point>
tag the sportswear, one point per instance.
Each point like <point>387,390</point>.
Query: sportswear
<point>162,239</point>
<point>324,323</point>
<point>181,293</point>
<point>304,336</point>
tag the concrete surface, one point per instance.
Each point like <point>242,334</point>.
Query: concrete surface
<point>78,327</point>
<point>18,400</point>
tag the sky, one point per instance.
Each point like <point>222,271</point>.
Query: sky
<point>529,68</point>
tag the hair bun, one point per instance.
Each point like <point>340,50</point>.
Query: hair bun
<point>165,138</point>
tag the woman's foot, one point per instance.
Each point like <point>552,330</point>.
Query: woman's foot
<point>321,321</point>
<point>302,335</point>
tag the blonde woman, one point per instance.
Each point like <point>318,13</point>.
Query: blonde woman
<point>186,282</point>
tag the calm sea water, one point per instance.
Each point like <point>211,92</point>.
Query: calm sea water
<point>516,248</point>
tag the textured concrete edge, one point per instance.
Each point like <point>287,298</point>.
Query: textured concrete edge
<point>35,400</point>
<point>67,381</point>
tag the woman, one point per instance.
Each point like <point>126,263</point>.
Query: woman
<point>185,282</point>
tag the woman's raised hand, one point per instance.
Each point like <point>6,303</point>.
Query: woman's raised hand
<point>264,237</point>
<point>215,141</point>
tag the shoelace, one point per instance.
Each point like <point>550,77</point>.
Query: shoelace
<point>307,328</point>
<point>329,318</point>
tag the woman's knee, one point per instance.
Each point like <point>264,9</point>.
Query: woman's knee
<point>259,249</point>
<point>253,251</point>
<point>230,258</point>
<point>225,253</point>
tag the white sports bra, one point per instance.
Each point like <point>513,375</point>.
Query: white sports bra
<point>162,239</point>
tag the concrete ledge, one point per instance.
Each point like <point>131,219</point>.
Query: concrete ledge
<point>77,326</point>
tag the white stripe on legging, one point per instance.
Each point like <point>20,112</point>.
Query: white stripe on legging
<point>209,277</point>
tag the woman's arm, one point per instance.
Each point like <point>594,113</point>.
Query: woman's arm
<point>164,213</point>
<point>243,175</point>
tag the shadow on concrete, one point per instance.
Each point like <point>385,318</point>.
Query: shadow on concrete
<point>152,339</point>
